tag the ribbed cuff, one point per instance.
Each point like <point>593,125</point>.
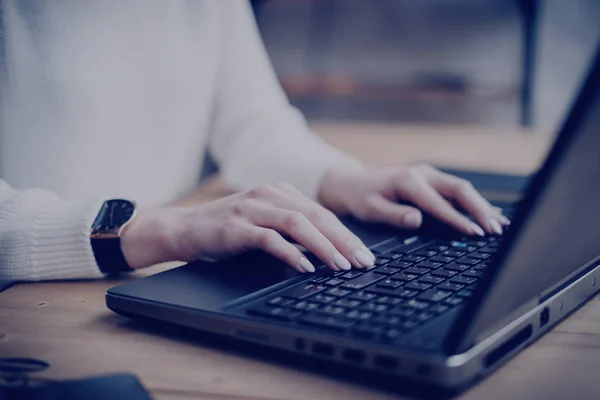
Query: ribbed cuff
<point>56,244</point>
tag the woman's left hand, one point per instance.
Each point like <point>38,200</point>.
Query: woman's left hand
<point>374,195</point>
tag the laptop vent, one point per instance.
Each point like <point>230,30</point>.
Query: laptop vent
<point>507,347</point>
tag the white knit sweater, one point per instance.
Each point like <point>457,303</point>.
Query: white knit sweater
<point>122,98</point>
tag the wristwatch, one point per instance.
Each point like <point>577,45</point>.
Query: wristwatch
<point>105,236</point>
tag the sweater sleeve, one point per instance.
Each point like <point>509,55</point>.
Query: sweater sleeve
<point>258,137</point>
<point>44,237</point>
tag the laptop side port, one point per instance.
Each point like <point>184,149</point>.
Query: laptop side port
<point>386,362</point>
<point>508,346</point>
<point>544,317</point>
<point>322,349</point>
<point>354,356</point>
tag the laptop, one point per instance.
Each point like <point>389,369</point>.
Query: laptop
<point>436,309</point>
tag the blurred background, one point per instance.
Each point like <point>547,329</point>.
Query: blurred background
<point>488,62</point>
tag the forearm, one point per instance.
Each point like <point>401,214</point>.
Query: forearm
<point>43,237</point>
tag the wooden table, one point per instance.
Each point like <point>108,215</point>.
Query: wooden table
<point>67,323</point>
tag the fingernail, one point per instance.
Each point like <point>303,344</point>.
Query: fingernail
<point>476,229</point>
<point>306,265</point>
<point>340,261</point>
<point>495,226</point>
<point>369,253</point>
<point>412,220</point>
<point>363,258</point>
<point>503,220</point>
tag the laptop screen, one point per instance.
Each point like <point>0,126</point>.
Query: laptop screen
<point>557,232</point>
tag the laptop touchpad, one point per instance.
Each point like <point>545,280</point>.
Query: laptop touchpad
<point>210,286</point>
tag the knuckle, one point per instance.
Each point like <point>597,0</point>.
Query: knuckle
<point>267,238</point>
<point>293,220</point>
<point>463,186</point>
<point>242,207</point>
<point>424,167</point>
<point>228,230</point>
<point>261,192</point>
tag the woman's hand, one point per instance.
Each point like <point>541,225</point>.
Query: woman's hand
<point>374,195</point>
<point>255,219</point>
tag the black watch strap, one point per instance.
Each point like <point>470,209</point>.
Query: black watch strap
<point>109,256</point>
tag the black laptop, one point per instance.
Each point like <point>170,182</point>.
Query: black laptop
<point>442,310</point>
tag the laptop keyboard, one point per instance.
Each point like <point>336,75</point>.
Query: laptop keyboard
<point>413,281</point>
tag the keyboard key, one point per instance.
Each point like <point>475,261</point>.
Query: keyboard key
<point>481,267</point>
<point>468,261</point>
<point>477,243</point>
<point>382,261</point>
<point>322,298</point>
<point>434,295</point>
<point>305,306</point>
<point>408,325</point>
<point>323,321</point>
<point>442,259</point>
<point>337,292</point>
<point>489,250</point>
<point>416,304</point>
<point>458,245</point>
<point>392,334</point>
<point>416,271</point>
<point>400,264</point>
<point>334,282</point>
<point>444,273</point>
<point>413,259</point>
<point>377,291</point>
<point>373,307</point>
<point>453,253</point>
<point>359,315</point>
<point>348,303</point>
<point>473,273</point>
<point>404,277</point>
<point>429,264</point>
<point>417,286</point>
<point>277,313</point>
<point>320,279</point>
<point>453,301</point>
<point>424,316</point>
<point>351,275</point>
<point>281,301</point>
<point>332,310</point>
<point>362,296</point>
<point>302,291</point>
<point>465,293</point>
<point>362,281</point>
<point>457,267</point>
<point>463,280</point>
<point>407,293</point>
<point>389,300</point>
<point>439,308</point>
<point>448,285</point>
<point>389,284</point>
<point>425,253</point>
<point>402,312</point>
<point>479,256</point>
<point>434,280</point>
<point>386,270</point>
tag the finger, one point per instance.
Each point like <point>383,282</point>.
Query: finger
<point>418,191</point>
<point>298,227</point>
<point>351,247</point>
<point>380,209</point>
<point>271,242</point>
<point>500,216</point>
<point>463,192</point>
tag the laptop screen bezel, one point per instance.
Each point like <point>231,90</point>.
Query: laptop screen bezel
<point>463,334</point>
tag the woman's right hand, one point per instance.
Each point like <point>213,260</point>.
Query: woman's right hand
<point>255,219</point>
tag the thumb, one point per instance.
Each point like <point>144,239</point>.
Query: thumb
<point>380,209</point>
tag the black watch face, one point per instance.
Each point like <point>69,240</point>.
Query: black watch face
<point>113,215</point>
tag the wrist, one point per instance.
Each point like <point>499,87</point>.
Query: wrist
<point>336,182</point>
<point>152,237</point>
